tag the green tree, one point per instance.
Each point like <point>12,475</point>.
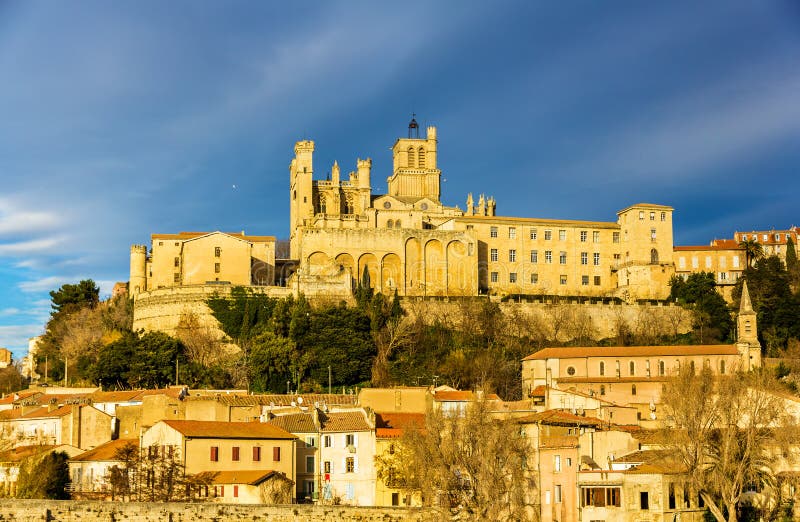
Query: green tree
<point>113,363</point>
<point>68,297</point>
<point>792,265</point>
<point>273,361</point>
<point>712,317</point>
<point>777,307</point>
<point>753,250</point>
<point>154,360</point>
<point>44,477</point>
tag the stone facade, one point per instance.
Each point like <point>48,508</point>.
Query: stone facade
<point>16,510</point>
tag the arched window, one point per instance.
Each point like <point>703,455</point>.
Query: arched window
<point>722,367</point>
<point>619,372</point>
<point>691,367</point>
<point>349,207</point>
<point>421,158</point>
<point>411,162</point>
<point>632,368</point>
<point>662,368</point>
<point>389,224</point>
<point>653,256</point>
<point>398,224</point>
<point>322,205</point>
<point>602,368</point>
<point>602,389</point>
<point>633,389</point>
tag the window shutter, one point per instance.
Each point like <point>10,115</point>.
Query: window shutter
<point>355,440</point>
<point>355,463</point>
<point>276,453</point>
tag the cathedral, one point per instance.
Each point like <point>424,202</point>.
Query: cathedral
<point>408,241</point>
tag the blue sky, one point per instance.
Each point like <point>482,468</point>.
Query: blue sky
<point>122,119</point>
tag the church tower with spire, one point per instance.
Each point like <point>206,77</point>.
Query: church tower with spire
<point>747,329</point>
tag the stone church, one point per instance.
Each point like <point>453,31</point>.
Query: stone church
<point>408,241</point>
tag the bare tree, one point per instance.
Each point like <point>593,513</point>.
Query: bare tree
<point>202,346</point>
<point>469,465</point>
<point>723,431</point>
<point>397,333</point>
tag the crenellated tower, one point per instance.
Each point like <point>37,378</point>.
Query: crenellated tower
<point>138,270</point>
<point>301,172</point>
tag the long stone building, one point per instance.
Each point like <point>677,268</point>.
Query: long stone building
<point>409,241</point>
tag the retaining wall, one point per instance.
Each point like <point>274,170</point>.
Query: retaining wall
<point>92,511</point>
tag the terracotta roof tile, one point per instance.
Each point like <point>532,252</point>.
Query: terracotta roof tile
<point>344,421</point>
<point>249,477</point>
<point>43,413</point>
<point>453,396</point>
<point>228,430</point>
<point>104,452</point>
<point>560,418</point>
<point>399,420</point>
<point>23,452</point>
<point>540,221</point>
<point>116,396</point>
<point>632,351</point>
<point>295,422</point>
<point>11,398</point>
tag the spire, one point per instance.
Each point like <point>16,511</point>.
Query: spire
<point>745,305</point>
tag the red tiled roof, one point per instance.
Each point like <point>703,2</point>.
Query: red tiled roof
<point>445,395</point>
<point>249,477</point>
<point>228,430</point>
<point>295,422</point>
<point>539,391</point>
<point>192,235</point>
<point>43,413</point>
<point>116,396</point>
<point>560,418</point>
<point>105,452</point>
<point>344,421</point>
<point>632,351</point>
<point>11,398</point>
<point>705,247</point>
<point>23,452</point>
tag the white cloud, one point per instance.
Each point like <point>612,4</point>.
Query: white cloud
<point>5,312</point>
<point>33,246</point>
<point>26,222</point>
<point>45,283</point>
<point>16,337</point>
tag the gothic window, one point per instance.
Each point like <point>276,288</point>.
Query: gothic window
<point>349,206</point>
<point>421,158</point>
<point>323,207</point>
<point>389,224</point>
<point>398,225</point>
<point>602,369</point>
<point>411,161</point>
<point>632,368</point>
<point>654,256</point>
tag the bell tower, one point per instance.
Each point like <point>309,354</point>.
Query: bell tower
<point>414,171</point>
<point>747,329</point>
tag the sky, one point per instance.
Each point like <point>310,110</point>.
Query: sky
<point>122,119</point>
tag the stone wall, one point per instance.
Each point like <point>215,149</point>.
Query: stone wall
<point>90,511</point>
<point>162,310</point>
<point>563,320</point>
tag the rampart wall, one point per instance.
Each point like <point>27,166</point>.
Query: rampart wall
<point>90,511</point>
<point>162,310</point>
